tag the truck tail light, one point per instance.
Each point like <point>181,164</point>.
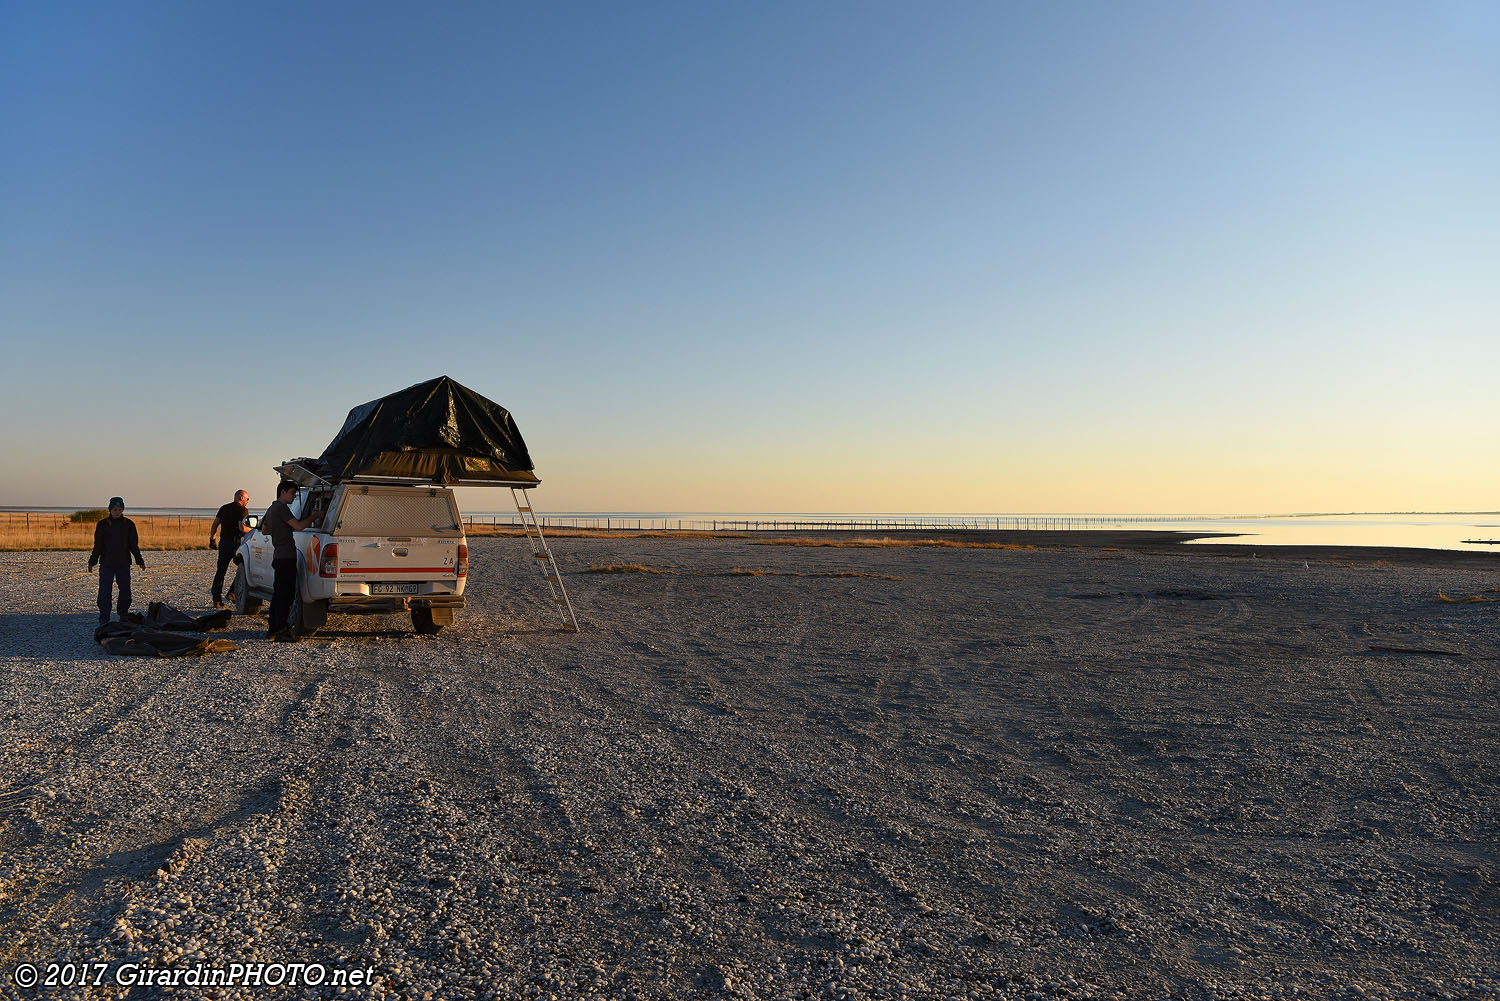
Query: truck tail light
<point>328,566</point>
<point>463,560</point>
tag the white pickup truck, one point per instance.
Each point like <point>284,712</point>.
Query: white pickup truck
<point>370,548</point>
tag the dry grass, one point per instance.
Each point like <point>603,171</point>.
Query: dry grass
<point>1473,599</point>
<point>23,532</point>
<point>33,532</point>
<point>889,543</point>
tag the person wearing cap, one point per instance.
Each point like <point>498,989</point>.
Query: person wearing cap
<point>115,542</point>
<point>231,522</point>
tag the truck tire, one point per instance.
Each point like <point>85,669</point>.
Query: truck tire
<point>422,620</point>
<point>244,602</point>
<point>308,616</point>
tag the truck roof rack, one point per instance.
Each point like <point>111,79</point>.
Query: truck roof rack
<point>413,481</point>
<point>300,472</point>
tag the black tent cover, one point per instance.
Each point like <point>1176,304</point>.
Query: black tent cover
<point>436,431</point>
<point>160,633</point>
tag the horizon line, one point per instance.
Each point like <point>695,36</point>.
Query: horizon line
<point>52,508</point>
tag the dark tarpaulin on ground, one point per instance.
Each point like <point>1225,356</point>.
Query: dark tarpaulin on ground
<point>163,632</point>
<point>437,431</point>
<point>164,616</point>
<point>128,639</point>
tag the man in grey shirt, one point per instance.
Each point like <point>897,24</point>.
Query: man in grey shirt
<point>279,525</point>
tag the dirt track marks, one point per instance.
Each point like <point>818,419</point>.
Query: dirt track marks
<point>961,783</point>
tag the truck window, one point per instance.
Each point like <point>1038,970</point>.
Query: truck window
<point>416,513</point>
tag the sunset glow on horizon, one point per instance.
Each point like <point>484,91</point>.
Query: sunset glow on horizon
<point>961,257</point>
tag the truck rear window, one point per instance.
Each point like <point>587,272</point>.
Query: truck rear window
<point>414,513</point>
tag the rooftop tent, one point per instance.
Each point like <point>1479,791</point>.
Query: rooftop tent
<point>436,431</point>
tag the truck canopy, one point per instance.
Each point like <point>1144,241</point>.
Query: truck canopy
<point>434,432</point>
<point>398,511</point>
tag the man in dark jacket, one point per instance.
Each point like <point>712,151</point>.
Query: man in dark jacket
<point>229,526</point>
<point>115,542</point>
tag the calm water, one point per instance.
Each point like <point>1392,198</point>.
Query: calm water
<point>1423,531</point>
<point>1420,531</point>
<point>1429,531</point>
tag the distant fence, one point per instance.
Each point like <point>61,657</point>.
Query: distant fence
<point>25,530</point>
<point>32,521</point>
<point>1019,523</point>
<point>19,521</point>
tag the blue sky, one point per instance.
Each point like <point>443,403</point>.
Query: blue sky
<point>793,257</point>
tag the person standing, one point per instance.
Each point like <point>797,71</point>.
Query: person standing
<point>115,542</point>
<point>230,521</point>
<point>279,525</point>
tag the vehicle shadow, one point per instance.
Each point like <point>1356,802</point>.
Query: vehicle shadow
<point>252,628</point>
<point>358,634</point>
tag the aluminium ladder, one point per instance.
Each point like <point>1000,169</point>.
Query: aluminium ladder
<point>542,557</point>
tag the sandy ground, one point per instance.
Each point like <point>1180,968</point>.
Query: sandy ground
<point>1134,772</point>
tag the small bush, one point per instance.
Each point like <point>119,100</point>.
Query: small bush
<point>93,514</point>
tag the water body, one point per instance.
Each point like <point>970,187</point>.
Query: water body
<point>1416,531</point>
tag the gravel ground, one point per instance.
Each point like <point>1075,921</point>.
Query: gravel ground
<point>1078,773</point>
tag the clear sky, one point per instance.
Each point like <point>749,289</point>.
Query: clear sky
<point>774,256</point>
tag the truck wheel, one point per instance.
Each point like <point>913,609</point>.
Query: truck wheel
<point>244,602</point>
<point>422,621</point>
<point>308,616</point>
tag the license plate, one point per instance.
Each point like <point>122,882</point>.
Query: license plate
<point>393,588</point>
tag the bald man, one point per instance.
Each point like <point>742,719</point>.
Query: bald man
<point>231,521</point>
